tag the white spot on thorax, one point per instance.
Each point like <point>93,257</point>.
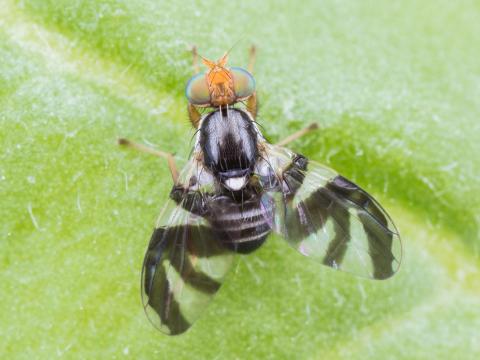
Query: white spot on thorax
<point>236,183</point>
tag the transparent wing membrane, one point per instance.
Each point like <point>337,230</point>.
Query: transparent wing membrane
<point>330,219</point>
<point>320,213</point>
<point>184,265</point>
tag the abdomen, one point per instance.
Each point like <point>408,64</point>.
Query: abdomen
<point>242,226</point>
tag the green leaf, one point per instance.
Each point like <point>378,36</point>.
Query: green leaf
<point>395,87</point>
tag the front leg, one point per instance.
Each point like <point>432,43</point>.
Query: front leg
<point>252,105</point>
<point>194,115</point>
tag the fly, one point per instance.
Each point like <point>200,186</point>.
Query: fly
<point>236,190</point>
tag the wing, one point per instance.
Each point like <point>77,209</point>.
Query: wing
<point>185,263</point>
<point>327,217</point>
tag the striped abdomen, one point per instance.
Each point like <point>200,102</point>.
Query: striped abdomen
<point>241,226</point>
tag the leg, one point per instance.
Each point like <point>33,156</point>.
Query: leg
<point>252,100</point>
<point>165,155</point>
<point>196,69</point>
<point>194,115</point>
<point>298,134</point>
<point>251,58</point>
<point>252,105</point>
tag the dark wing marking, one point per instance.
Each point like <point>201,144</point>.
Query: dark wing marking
<point>184,267</point>
<point>329,218</point>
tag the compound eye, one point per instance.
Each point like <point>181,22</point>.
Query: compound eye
<point>197,90</point>
<point>243,82</point>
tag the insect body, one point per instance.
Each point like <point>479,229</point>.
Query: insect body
<point>235,191</point>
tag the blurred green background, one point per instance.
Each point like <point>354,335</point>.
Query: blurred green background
<point>395,87</point>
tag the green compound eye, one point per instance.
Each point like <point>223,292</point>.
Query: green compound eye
<point>243,82</point>
<point>197,90</point>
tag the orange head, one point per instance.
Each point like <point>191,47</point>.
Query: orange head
<point>219,82</point>
<point>219,85</point>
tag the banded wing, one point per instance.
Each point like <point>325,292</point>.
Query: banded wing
<point>184,265</point>
<point>329,218</point>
